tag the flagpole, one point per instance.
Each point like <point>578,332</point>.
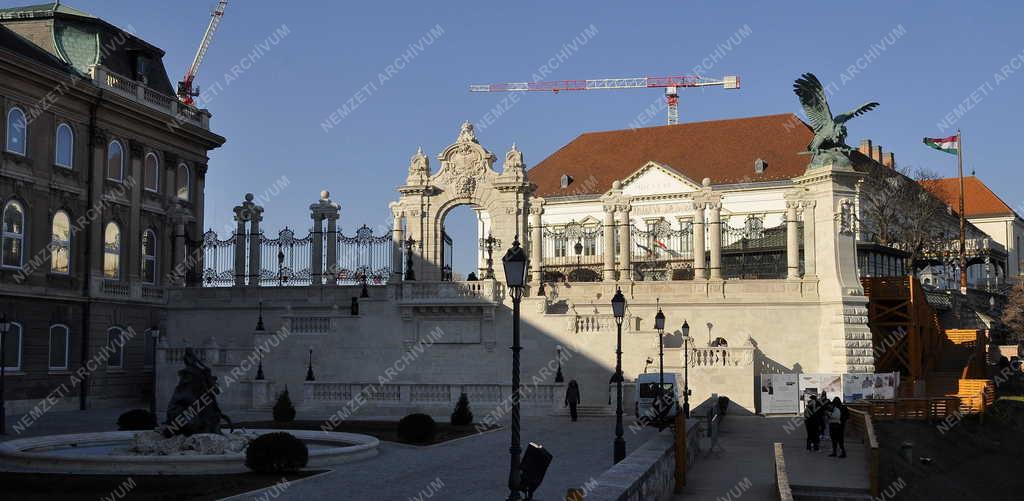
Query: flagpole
<point>963,217</point>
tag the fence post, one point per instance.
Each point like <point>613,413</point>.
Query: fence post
<point>331,266</point>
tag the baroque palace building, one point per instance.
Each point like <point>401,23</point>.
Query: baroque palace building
<point>101,192</point>
<point>722,224</point>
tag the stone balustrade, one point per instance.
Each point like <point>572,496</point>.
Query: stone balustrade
<point>721,357</point>
<point>476,290</point>
<point>136,91</point>
<point>445,395</point>
<point>596,324</point>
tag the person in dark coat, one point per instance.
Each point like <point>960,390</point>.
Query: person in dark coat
<point>572,398</point>
<point>812,423</point>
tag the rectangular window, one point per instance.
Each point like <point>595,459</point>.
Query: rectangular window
<point>560,247</point>
<point>59,347</point>
<point>12,348</point>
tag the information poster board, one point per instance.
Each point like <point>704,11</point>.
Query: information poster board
<point>814,384</point>
<point>872,386</point>
<point>779,394</point>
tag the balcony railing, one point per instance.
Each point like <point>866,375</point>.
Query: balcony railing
<point>138,92</point>
<point>475,290</point>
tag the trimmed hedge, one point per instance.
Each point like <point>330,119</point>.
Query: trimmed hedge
<point>417,428</point>
<point>277,452</point>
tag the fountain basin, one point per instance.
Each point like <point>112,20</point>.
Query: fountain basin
<point>98,454</point>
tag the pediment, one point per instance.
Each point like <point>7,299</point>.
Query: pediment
<point>657,179</point>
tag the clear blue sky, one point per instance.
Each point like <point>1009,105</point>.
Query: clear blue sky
<point>271,113</point>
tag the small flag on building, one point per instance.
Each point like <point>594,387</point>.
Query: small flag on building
<point>949,144</point>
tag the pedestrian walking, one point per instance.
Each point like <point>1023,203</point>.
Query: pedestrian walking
<point>837,427</point>
<point>572,398</point>
<point>812,416</point>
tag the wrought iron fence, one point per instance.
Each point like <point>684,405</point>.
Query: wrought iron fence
<point>573,252</point>
<point>363,255</point>
<point>287,260</point>
<point>663,253</point>
<point>218,260</point>
<point>756,252</point>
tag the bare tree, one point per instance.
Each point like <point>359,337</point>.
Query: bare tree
<point>897,211</point>
<point>1013,312</point>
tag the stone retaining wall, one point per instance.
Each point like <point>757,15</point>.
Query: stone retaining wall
<point>648,474</point>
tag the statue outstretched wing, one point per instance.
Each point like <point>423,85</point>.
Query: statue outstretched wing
<point>864,108</point>
<point>812,97</point>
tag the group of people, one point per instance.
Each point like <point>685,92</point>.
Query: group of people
<point>819,415</point>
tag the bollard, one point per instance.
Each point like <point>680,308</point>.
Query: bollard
<point>907,451</point>
<point>680,472</point>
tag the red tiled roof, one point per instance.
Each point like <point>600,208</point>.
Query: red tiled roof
<point>722,150</point>
<point>979,199</point>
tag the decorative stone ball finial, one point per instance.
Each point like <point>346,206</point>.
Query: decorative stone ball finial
<point>616,185</point>
<point>706,182</point>
<point>325,195</point>
<point>249,197</point>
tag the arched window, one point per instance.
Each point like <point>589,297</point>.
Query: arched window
<point>112,252</point>
<point>116,340</point>
<point>17,131</point>
<point>13,235</point>
<point>64,154</point>
<point>60,346</point>
<point>183,181</point>
<point>149,257</point>
<point>12,348</point>
<point>60,243</point>
<point>151,172</point>
<point>115,161</point>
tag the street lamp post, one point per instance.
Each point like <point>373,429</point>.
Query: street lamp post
<point>514,263</point>
<point>686,368</point>
<point>155,333</point>
<point>5,327</point>
<point>659,325</point>
<point>619,310</point>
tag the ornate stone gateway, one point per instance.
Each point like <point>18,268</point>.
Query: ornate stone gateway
<point>466,177</point>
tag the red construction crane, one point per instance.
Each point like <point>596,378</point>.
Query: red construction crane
<point>670,84</point>
<point>186,91</point>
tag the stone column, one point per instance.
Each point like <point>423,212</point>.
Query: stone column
<point>316,250</point>
<point>397,244</point>
<point>810,268</point>
<point>792,241</point>
<point>608,243</point>
<point>255,245</point>
<point>536,242</point>
<point>134,230</point>
<point>715,234</point>
<point>179,217</point>
<point>324,209</point>
<point>331,271</point>
<point>699,257</point>
<point>240,242</point>
<point>625,244</point>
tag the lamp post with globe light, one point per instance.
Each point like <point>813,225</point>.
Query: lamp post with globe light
<point>685,329</point>
<point>514,264</point>
<point>619,311</point>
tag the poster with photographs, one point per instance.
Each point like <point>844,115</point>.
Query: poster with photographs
<point>815,384</point>
<point>779,393</point>
<point>870,386</point>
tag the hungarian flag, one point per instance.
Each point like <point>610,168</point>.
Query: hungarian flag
<point>949,144</point>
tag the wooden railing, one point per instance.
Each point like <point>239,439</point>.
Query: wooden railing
<point>782,487</point>
<point>975,395</point>
<point>860,421</point>
<point>909,408</point>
